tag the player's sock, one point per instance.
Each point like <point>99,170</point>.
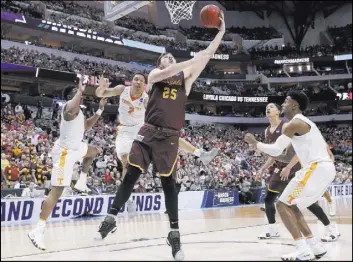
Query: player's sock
<point>125,189</point>
<point>171,201</point>
<point>319,213</point>
<point>41,223</point>
<point>270,208</point>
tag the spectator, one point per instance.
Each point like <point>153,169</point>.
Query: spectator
<point>245,196</point>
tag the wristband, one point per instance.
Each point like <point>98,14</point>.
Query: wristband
<point>99,112</point>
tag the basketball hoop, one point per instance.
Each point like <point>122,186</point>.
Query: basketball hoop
<point>179,10</point>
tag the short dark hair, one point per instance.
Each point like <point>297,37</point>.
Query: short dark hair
<point>160,58</point>
<point>301,98</point>
<point>144,77</point>
<point>67,91</point>
<point>277,106</point>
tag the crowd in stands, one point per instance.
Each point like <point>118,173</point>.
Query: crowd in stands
<point>317,92</point>
<point>291,51</point>
<point>26,162</point>
<point>93,18</point>
<point>27,57</point>
<point>342,37</point>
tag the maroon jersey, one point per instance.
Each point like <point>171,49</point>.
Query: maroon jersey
<point>166,105</point>
<point>271,138</point>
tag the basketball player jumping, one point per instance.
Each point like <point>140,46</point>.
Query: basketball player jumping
<point>309,183</point>
<point>132,107</point>
<point>282,169</point>
<point>158,139</point>
<point>67,150</point>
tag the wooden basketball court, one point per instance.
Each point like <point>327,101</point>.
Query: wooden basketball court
<point>208,234</point>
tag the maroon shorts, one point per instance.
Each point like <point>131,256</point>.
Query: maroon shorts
<point>156,144</point>
<point>275,184</point>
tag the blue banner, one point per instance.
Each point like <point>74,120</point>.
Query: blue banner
<point>220,198</point>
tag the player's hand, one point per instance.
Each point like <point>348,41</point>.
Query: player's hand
<point>285,174</point>
<point>103,83</point>
<point>222,25</point>
<point>102,103</point>
<point>81,85</point>
<point>250,139</point>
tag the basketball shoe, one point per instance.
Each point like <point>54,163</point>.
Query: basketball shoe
<point>107,226</point>
<point>303,252</point>
<point>37,237</point>
<point>331,234</point>
<point>270,232</point>
<point>173,240</point>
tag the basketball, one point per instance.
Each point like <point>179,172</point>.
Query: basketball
<point>209,16</point>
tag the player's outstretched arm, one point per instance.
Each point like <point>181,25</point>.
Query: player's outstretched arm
<point>103,89</point>
<point>158,74</point>
<point>90,122</point>
<point>193,72</point>
<point>73,106</point>
<point>276,149</point>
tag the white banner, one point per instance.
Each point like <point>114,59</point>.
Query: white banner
<point>340,190</point>
<point>26,211</point>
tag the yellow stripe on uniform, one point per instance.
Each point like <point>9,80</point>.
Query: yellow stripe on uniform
<point>297,191</point>
<point>176,158</point>
<point>269,189</point>
<point>135,165</point>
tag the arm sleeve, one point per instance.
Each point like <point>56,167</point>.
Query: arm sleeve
<point>277,148</point>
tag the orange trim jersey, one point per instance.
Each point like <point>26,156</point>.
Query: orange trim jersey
<point>131,109</point>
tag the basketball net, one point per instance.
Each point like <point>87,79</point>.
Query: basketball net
<point>179,10</point>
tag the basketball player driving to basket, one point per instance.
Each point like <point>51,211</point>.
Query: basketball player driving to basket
<point>309,183</point>
<point>158,139</point>
<point>132,107</point>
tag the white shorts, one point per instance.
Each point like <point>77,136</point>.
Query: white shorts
<point>63,163</point>
<point>125,136</point>
<point>309,184</point>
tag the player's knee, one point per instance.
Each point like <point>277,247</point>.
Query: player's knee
<point>269,200</point>
<point>167,180</point>
<point>132,175</point>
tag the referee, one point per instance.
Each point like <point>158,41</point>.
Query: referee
<point>180,173</point>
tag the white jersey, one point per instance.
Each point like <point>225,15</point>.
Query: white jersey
<point>71,132</point>
<point>312,146</point>
<point>131,111</point>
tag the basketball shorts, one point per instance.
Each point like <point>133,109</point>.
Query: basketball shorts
<point>125,136</point>
<point>156,144</point>
<point>309,184</point>
<point>275,184</point>
<point>63,163</point>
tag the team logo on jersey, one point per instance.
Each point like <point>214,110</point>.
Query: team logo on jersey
<point>141,99</point>
<point>277,131</point>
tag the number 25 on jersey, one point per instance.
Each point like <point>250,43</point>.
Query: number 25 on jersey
<point>169,93</point>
